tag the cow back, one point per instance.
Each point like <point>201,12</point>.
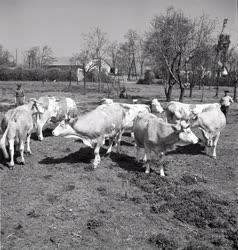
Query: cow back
<point>211,120</point>
<point>104,120</point>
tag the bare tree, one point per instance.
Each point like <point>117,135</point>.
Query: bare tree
<point>141,54</point>
<point>46,56</point>
<point>97,45</point>
<point>232,68</point>
<point>5,57</point>
<point>173,41</point>
<point>37,58</point>
<point>82,59</point>
<point>32,57</point>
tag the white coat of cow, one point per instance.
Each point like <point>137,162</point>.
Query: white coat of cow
<point>154,105</point>
<point>177,111</point>
<point>92,128</point>
<point>211,122</point>
<point>55,110</point>
<point>155,135</point>
<point>18,126</point>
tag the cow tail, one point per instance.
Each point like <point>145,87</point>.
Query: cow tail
<point>3,143</point>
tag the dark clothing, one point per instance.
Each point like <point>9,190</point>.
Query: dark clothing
<point>20,96</point>
<point>225,110</point>
<point>123,94</point>
<point>20,93</point>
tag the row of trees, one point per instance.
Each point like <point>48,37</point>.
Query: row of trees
<point>178,49</point>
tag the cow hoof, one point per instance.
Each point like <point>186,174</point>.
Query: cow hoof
<point>10,165</point>
<point>147,171</point>
<point>22,162</point>
<point>28,153</point>
<point>214,157</point>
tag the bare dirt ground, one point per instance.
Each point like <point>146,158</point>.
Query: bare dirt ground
<point>56,200</point>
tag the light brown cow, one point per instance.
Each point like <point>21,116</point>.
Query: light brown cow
<point>157,136</point>
<point>17,126</point>
<point>211,122</point>
<point>106,121</point>
<point>55,111</point>
<point>177,111</point>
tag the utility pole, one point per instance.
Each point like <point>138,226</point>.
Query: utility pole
<point>16,57</point>
<point>221,53</point>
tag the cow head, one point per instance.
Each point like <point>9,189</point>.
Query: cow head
<point>208,137</point>
<point>185,134</point>
<point>64,128</point>
<point>156,107</point>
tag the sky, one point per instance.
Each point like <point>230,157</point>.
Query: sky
<point>60,24</point>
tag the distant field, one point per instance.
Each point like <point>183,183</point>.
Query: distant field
<point>56,201</point>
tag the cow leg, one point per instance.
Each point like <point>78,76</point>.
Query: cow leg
<point>11,149</point>
<point>161,164</point>
<point>118,142</point>
<point>97,158</point>
<point>132,135</point>
<point>148,160</point>
<point>207,150</point>
<point>110,146</point>
<point>39,131</point>
<point>214,154</point>
<point>22,161</point>
<point>145,158</point>
<point>28,140</point>
<point>137,153</point>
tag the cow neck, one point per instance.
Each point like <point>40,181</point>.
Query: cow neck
<point>75,131</point>
<point>171,140</point>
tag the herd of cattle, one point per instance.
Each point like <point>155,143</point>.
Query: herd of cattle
<point>109,121</point>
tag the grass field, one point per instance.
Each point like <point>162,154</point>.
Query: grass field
<point>56,200</point>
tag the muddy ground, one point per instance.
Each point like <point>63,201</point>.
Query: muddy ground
<point>56,200</point>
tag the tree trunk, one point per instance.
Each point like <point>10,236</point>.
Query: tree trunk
<point>191,91</point>
<point>182,91</point>
<point>217,83</point>
<point>84,79</point>
<point>169,93</point>
<point>235,90</point>
<point>70,76</point>
<point>202,98</point>
<point>99,77</point>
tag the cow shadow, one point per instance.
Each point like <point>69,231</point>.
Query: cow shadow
<point>83,155</point>
<point>126,162</point>
<point>191,149</point>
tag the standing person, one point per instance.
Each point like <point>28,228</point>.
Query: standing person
<point>20,95</point>
<point>225,102</point>
<point>123,93</point>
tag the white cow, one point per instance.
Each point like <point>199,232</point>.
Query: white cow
<point>17,125</point>
<point>177,111</point>
<point>211,122</point>
<point>155,135</point>
<point>154,105</point>
<point>92,128</point>
<point>55,111</point>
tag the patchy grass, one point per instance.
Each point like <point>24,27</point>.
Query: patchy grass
<point>57,200</point>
